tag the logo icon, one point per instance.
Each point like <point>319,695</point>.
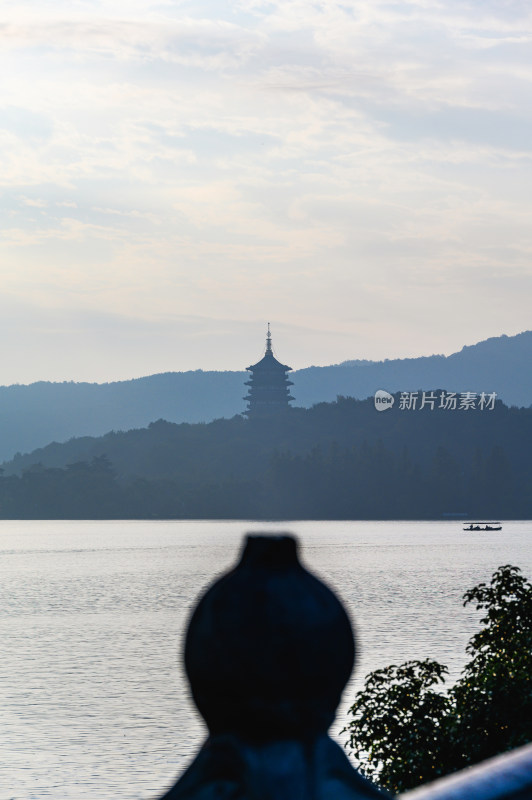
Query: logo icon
<point>383,400</point>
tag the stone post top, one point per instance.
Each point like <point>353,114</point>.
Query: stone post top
<point>269,552</point>
<point>268,652</point>
<point>269,647</point>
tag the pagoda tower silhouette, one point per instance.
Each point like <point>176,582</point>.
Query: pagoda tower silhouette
<point>268,385</point>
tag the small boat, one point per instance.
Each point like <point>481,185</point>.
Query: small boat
<point>484,526</point>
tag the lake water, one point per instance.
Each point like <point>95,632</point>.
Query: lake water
<point>92,696</point>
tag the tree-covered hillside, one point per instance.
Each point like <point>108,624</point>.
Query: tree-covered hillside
<point>31,416</point>
<point>341,460</point>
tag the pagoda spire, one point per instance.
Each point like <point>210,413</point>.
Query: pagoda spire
<point>269,340</point>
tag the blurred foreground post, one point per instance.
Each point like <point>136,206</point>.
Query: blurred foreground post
<point>268,652</point>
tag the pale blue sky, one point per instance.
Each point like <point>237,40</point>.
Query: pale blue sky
<point>175,174</point>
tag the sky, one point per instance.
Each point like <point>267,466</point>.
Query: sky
<point>174,175</point>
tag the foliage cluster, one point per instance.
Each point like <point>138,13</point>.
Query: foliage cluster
<point>405,730</point>
<point>339,460</point>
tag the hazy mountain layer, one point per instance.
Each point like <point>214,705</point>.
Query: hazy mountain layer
<point>32,416</point>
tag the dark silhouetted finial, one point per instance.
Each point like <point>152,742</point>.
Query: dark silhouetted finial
<point>268,652</point>
<point>268,340</point>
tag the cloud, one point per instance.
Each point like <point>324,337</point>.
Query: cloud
<point>200,43</point>
<point>328,161</point>
<point>33,202</point>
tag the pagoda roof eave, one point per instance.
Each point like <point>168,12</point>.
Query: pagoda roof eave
<point>269,361</point>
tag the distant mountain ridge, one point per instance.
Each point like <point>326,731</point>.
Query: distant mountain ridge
<point>500,364</point>
<point>34,415</point>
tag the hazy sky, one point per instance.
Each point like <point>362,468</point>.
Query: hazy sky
<point>175,174</point>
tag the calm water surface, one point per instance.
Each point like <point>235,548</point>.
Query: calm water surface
<point>93,699</point>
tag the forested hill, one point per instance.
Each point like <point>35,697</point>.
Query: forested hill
<point>31,416</point>
<point>335,460</point>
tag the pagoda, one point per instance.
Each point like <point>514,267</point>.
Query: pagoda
<point>268,385</point>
